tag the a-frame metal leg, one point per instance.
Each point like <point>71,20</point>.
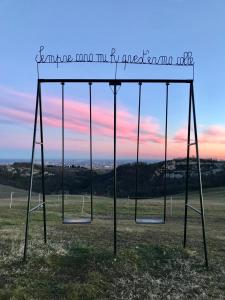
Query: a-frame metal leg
<point>201,211</point>
<point>199,178</point>
<point>91,163</point>
<point>165,157</point>
<point>42,165</point>
<point>38,108</point>
<point>187,169</point>
<point>31,176</point>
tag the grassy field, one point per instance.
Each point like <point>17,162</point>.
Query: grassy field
<point>78,261</point>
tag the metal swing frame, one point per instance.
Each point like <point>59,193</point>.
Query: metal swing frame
<point>150,220</point>
<point>115,83</point>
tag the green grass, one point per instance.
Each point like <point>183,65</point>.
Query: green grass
<point>78,263</point>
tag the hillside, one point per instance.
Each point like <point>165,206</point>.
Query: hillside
<point>150,179</point>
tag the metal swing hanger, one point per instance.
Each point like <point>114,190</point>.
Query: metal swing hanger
<point>77,220</point>
<point>150,220</point>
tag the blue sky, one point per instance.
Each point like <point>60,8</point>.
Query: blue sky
<point>166,27</point>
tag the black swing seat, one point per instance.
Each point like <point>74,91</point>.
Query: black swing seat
<point>77,220</point>
<point>149,221</point>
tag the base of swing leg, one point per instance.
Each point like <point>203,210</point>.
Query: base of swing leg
<point>150,221</point>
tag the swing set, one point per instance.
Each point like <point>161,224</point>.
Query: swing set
<point>114,84</point>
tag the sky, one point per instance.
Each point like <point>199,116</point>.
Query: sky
<point>164,27</point>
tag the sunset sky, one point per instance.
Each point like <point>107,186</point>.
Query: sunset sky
<point>165,27</point>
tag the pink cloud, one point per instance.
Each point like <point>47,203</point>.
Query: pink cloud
<point>16,115</point>
<point>213,134</point>
<point>77,123</point>
<point>13,92</point>
<point>180,136</point>
<point>77,116</point>
<point>211,141</point>
<point>211,138</point>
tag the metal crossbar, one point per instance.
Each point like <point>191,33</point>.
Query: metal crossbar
<point>193,208</point>
<point>36,207</point>
<point>115,81</point>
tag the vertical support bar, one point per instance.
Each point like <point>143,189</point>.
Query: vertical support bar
<point>62,164</point>
<point>114,168</point>
<point>165,159</point>
<point>187,169</point>
<point>137,159</point>
<point>42,165</point>
<point>199,176</point>
<point>31,176</point>
<point>91,162</point>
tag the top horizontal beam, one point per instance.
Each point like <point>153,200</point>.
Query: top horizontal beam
<point>115,81</point>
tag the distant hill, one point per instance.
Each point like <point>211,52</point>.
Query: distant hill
<point>150,178</point>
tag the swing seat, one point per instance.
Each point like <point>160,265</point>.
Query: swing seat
<point>149,221</point>
<point>77,220</point>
